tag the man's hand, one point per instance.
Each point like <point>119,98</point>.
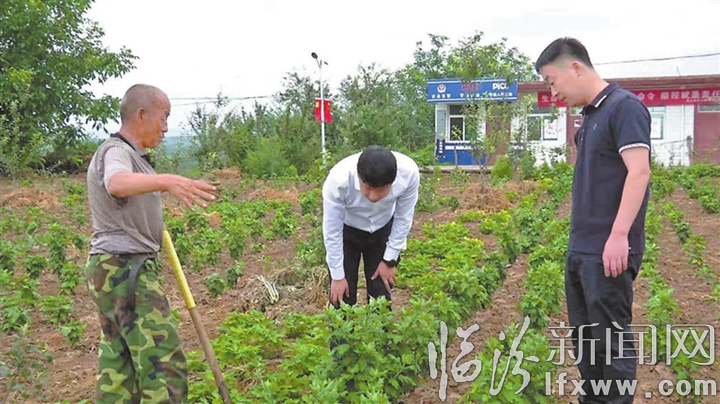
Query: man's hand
<point>338,289</point>
<point>615,254</point>
<point>191,191</point>
<point>386,273</point>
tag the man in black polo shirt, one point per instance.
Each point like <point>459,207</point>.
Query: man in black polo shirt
<point>609,200</point>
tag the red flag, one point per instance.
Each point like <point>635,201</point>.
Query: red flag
<point>327,109</point>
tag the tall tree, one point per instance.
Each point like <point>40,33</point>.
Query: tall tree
<point>49,54</point>
<point>369,109</point>
<point>298,132</point>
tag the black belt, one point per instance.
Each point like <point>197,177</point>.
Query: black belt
<point>138,260</point>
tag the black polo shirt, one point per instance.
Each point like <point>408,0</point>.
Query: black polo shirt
<point>614,121</point>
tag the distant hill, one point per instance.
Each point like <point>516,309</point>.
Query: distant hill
<point>173,143</point>
<point>174,139</point>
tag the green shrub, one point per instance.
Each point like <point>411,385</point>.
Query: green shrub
<point>526,166</point>
<point>502,170</point>
<point>215,284</point>
<point>311,201</point>
<point>267,161</point>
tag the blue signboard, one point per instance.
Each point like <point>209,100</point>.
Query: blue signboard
<point>459,153</point>
<point>444,91</point>
<point>439,148</point>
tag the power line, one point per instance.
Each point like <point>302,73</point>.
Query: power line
<point>193,103</point>
<point>211,100</point>
<point>659,59</point>
<point>207,100</point>
<point>216,98</point>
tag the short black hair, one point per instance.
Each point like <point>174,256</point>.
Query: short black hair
<point>563,47</point>
<point>377,166</point>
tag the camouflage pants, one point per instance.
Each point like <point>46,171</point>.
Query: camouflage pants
<point>140,358</point>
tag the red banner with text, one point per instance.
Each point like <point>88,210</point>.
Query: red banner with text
<point>707,95</point>
<point>327,109</point>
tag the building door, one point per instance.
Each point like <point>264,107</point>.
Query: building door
<point>707,134</point>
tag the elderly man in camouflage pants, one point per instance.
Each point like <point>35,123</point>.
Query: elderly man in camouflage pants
<point>140,356</point>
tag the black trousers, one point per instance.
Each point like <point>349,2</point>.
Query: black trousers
<point>594,298</point>
<point>372,248</point>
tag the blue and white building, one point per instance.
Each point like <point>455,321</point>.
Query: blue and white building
<point>453,137</point>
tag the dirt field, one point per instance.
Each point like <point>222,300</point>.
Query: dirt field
<point>71,376</point>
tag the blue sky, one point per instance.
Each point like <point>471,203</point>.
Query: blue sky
<point>193,48</point>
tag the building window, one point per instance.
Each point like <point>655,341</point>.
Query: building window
<point>457,128</point>
<point>460,128</point>
<point>455,109</point>
<point>541,125</point>
<point>657,120</point>
<point>456,124</point>
<point>709,108</point>
<point>534,128</point>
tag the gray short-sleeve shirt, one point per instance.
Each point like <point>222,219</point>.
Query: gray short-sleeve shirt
<point>122,225</point>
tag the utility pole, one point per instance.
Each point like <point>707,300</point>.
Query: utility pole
<point>322,106</point>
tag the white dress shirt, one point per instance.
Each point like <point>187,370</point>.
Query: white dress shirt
<point>344,203</point>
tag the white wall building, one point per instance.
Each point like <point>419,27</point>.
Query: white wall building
<point>671,133</point>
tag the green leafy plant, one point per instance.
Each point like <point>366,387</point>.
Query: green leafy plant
<point>14,316</point>
<point>427,198</point>
<point>261,339</point>
<point>459,177</point>
<point>284,224</point>
<point>175,317</point>
<point>7,256</point>
<point>663,308</point>
<point>71,276</point>
<point>515,348</point>
<point>311,201</point>
<point>544,291</point>
<point>215,284</point>
<point>311,251</point>
<point>377,351</point>
<point>24,375</point>
<point>526,166</point>
<point>57,240</point>
<point>697,180</point>
<point>35,265</point>
<point>679,225</point>
<point>58,308</point>
<point>17,296</point>
<point>73,331</point>
<point>72,188</point>
<point>234,273</point>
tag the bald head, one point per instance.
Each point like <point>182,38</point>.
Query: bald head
<point>141,96</point>
<point>144,111</point>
